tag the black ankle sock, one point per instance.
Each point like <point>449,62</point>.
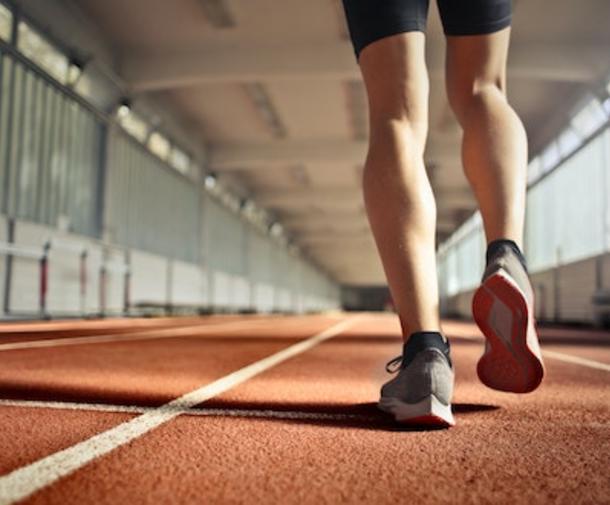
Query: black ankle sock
<point>420,340</point>
<point>496,246</point>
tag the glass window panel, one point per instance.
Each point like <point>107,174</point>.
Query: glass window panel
<point>590,118</point>
<point>97,133</point>
<point>15,146</point>
<point>534,170</point>
<point>550,157</point>
<point>30,155</point>
<point>580,210</point>
<point>59,159</point>
<point>565,216</point>
<point>43,53</point>
<point>161,209</point>
<point>607,106</point>
<point>54,159</point>
<point>5,106</point>
<point>6,23</point>
<point>83,197</point>
<point>45,151</point>
<point>78,187</point>
<point>452,272</point>
<point>540,228</point>
<point>568,142</point>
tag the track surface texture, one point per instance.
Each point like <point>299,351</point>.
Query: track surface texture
<point>174,411</point>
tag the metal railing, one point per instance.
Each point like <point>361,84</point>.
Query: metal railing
<point>42,254</point>
<point>10,251</point>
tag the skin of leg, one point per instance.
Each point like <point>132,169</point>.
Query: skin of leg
<point>494,144</point>
<point>397,194</point>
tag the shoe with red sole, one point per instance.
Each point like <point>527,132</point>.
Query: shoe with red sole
<point>420,394</point>
<point>503,308</point>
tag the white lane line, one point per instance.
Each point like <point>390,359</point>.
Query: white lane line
<point>134,409</point>
<point>181,331</point>
<point>87,407</point>
<point>569,358</point>
<point>26,480</point>
<point>560,356</point>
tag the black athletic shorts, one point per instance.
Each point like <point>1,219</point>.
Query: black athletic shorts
<point>371,20</point>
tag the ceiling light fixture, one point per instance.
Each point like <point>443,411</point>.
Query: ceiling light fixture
<point>124,108</point>
<point>275,229</point>
<point>259,96</point>
<point>210,180</point>
<point>75,71</point>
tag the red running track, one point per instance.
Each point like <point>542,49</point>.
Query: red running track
<point>88,414</point>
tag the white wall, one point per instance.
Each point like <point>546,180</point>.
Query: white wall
<point>567,240</point>
<point>274,284</point>
<point>3,238</point>
<point>187,284</point>
<point>563,294</point>
<point>64,272</point>
<point>149,279</point>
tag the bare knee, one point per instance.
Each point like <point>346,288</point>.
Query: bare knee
<point>389,133</point>
<point>397,86</point>
<point>398,109</point>
<point>468,99</point>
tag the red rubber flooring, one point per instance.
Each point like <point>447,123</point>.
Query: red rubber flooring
<point>301,429</point>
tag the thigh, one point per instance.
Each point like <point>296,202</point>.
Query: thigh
<point>396,80</point>
<point>474,17</point>
<point>474,62</point>
<point>372,20</point>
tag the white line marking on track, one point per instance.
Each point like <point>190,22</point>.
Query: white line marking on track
<point>569,358</point>
<point>87,407</point>
<point>24,481</point>
<point>135,409</point>
<point>181,331</point>
<point>560,356</point>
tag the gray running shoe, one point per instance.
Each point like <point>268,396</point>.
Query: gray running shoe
<point>421,392</point>
<point>503,308</point>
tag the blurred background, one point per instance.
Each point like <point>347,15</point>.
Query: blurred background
<point>194,156</point>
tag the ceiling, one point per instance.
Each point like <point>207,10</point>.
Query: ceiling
<point>273,89</point>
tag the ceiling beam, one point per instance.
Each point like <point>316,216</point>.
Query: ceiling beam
<point>239,63</point>
<point>327,220</point>
<point>243,63</point>
<point>356,233</point>
<point>291,152</point>
<point>363,241</point>
<point>285,152</point>
<point>355,225</point>
<point>338,234</point>
<point>459,198</point>
<point>335,198</point>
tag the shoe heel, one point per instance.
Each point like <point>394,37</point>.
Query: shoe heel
<point>503,316</point>
<point>429,411</point>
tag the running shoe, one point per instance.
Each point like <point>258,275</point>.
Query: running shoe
<point>503,308</point>
<point>421,392</point>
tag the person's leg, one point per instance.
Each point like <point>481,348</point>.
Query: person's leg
<point>399,201</point>
<point>402,214</point>
<point>389,40</point>
<point>494,146</point>
<point>494,155</point>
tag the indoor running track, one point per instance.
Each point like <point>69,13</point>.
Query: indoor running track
<point>279,409</point>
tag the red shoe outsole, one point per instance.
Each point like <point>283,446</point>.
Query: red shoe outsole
<point>509,364</point>
<point>426,421</point>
